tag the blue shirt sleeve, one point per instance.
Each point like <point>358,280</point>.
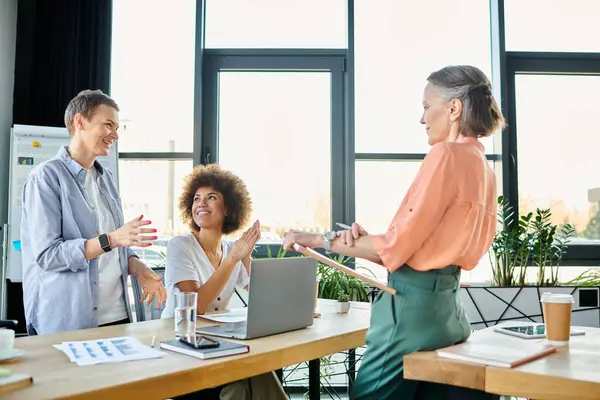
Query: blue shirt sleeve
<point>42,205</point>
<point>130,253</point>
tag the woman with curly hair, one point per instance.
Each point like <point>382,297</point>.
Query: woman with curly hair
<point>215,202</point>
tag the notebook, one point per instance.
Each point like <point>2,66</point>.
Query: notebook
<point>14,382</point>
<point>507,355</point>
<point>226,348</point>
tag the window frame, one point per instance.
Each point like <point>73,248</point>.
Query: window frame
<point>333,61</point>
<point>199,49</point>
<point>505,65</point>
<point>543,63</point>
<point>498,60</point>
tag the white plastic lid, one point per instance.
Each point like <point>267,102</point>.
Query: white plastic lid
<point>556,298</point>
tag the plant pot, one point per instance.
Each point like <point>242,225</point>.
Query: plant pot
<point>342,307</point>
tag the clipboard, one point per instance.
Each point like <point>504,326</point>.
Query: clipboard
<point>328,261</point>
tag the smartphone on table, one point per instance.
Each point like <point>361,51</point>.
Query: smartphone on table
<point>199,342</point>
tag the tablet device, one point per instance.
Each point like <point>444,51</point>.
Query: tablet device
<point>529,331</point>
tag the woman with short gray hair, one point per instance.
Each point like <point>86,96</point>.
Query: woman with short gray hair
<point>444,225</point>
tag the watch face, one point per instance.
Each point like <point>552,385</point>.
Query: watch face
<point>103,241</point>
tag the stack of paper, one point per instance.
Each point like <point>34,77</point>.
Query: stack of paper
<point>100,351</point>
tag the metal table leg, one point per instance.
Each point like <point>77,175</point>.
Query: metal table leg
<point>351,369</point>
<point>314,380</point>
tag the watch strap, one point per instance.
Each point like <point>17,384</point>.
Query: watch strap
<point>327,238</point>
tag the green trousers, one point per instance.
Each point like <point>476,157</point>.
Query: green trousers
<point>425,314</point>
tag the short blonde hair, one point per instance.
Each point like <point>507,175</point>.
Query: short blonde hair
<point>86,103</point>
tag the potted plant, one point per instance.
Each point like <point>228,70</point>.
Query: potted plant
<point>526,240</point>
<point>333,282</point>
<point>343,303</point>
<point>522,242</point>
<point>510,249</point>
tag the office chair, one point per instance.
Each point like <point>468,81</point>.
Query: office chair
<point>8,323</point>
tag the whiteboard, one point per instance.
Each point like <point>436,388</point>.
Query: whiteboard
<point>31,146</point>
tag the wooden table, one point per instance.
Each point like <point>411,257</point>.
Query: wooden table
<point>174,374</point>
<point>572,372</point>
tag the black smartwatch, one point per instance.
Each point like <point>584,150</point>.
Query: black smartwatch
<point>104,242</point>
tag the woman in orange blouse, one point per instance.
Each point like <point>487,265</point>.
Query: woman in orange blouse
<point>445,224</point>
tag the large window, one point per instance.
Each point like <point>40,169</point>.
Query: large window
<point>396,48</point>
<point>274,132</point>
<point>276,24</point>
<point>558,156</point>
<point>320,118</point>
<point>152,80</point>
<point>152,188</point>
<point>274,121</point>
<point>551,98</point>
<point>153,74</point>
<point>380,187</point>
<point>552,25</point>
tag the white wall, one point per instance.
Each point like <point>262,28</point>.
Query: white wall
<point>8,37</point>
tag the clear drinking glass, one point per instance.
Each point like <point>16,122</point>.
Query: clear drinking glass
<point>185,313</point>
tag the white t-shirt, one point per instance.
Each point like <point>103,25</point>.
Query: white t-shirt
<point>187,261</point>
<point>111,303</point>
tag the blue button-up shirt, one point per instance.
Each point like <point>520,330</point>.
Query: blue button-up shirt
<point>60,287</point>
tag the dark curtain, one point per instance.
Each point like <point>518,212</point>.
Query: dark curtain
<point>63,47</point>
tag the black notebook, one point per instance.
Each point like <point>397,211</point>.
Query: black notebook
<point>226,348</point>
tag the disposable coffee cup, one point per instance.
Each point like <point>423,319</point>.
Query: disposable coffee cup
<point>557,317</point>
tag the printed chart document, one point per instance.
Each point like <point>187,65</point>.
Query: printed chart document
<point>100,351</point>
<point>233,315</point>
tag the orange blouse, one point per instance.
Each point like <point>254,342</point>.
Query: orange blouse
<point>448,216</point>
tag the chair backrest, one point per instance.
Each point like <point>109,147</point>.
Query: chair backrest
<point>142,311</point>
<point>8,323</point>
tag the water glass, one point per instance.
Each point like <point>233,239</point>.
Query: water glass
<point>185,313</point>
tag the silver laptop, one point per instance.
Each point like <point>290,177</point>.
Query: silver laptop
<point>281,298</point>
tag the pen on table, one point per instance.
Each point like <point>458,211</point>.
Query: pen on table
<point>153,339</point>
